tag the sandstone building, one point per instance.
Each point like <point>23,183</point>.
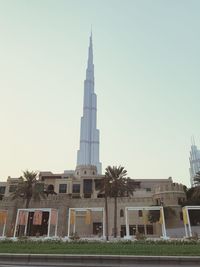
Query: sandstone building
<point>79,189</point>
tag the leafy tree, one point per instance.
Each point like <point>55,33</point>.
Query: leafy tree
<point>115,185</point>
<point>28,188</point>
<point>194,217</point>
<point>192,196</point>
<point>154,215</point>
<point>193,199</point>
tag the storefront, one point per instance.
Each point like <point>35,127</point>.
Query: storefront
<point>83,219</point>
<point>145,228</point>
<point>3,220</point>
<point>36,222</point>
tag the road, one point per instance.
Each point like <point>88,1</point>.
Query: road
<point>134,265</point>
<point>41,260</point>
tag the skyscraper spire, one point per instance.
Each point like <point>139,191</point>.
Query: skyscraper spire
<point>88,153</point>
<point>90,65</point>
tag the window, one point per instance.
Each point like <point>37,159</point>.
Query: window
<point>149,229</point>
<point>62,188</point>
<point>12,188</point>
<point>87,186</point>
<point>123,230</point>
<point>76,188</point>
<point>121,213</point>
<point>140,213</point>
<point>33,230</point>
<point>97,228</point>
<point>85,172</point>
<point>148,189</point>
<point>181,200</point>
<point>98,184</point>
<point>132,229</point>
<point>141,229</point>
<point>181,215</point>
<point>134,184</point>
<point>50,188</point>
<point>2,190</point>
<point>158,202</point>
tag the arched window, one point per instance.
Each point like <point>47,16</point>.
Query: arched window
<point>50,190</point>
<point>140,213</point>
<point>50,187</point>
<point>121,213</point>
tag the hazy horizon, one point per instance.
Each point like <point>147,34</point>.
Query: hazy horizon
<point>147,77</point>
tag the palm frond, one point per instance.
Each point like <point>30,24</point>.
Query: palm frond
<point>27,188</point>
<point>118,185</point>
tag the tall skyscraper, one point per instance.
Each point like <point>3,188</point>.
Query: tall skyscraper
<point>194,162</point>
<point>88,153</point>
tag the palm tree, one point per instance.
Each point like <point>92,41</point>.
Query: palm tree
<point>117,185</point>
<point>28,188</point>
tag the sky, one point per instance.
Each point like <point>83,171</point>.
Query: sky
<point>147,78</point>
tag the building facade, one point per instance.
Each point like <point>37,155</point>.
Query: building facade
<point>79,190</point>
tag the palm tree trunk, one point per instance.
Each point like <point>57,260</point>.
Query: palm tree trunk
<point>115,217</point>
<point>27,203</point>
<point>106,215</point>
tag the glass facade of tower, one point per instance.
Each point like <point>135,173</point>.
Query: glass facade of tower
<point>194,163</point>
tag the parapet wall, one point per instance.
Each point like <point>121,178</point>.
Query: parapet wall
<point>170,194</point>
<point>173,187</point>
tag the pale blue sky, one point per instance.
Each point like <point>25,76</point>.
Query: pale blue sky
<point>146,55</point>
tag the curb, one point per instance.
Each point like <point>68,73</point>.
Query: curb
<point>94,260</point>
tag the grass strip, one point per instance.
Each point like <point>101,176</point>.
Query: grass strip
<point>101,248</point>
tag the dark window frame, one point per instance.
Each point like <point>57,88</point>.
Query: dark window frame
<point>121,213</point>
<point>62,188</point>
<point>76,190</point>
<point>140,213</point>
<point>12,188</point>
<point>2,190</point>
